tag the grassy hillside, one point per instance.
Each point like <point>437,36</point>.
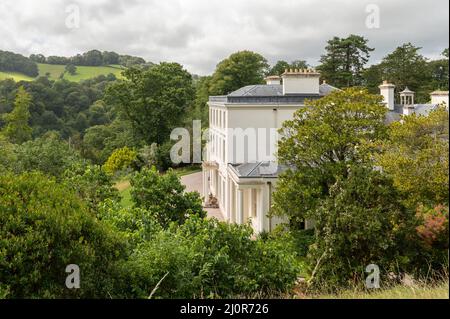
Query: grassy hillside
<point>15,76</point>
<point>83,72</point>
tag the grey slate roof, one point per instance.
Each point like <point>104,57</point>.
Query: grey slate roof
<point>258,170</point>
<point>419,109</point>
<point>269,94</point>
<point>274,90</point>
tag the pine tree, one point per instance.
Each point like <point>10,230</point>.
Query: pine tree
<point>343,63</point>
<point>17,129</point>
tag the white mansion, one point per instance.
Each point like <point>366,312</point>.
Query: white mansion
<point>241,176</point>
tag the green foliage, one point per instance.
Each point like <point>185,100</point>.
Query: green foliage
<point>416,157</point>
<point>17,129</point>
<point>60,106</point>
<point>154,101</point>
<point>238,70</point>
<point>12,62</point>
<point>343,63</point>
<point>165,196</point>
<point>91,183</point>
<point>100,141</point>
<point>281,66</point>
<point>206,258</point>
<point>360,223</point>
<point>319,144</point>
<point>406,67</point>
<point>71,69</point>
<point>156,155</point>
<point>48,154</point>
<point>43,228</point>
<point>120,160</point>
<point>137,225</point>
<point>8,155</point>
<point>439,72</point>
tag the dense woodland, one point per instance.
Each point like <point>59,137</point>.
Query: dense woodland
<point>64,145</point>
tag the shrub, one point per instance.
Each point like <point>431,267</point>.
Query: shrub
<point>91,183</point>
<point>43,228</point>
<point>207,258</point>
<point>433,241</point>
<point>47,154</point>
<point>121,159</point>
<point>361,223</point>
<point>137,225</point>
<point>165,196</point>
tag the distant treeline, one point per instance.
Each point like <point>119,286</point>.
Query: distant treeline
<point>90,58</point>
<point>12,62</point>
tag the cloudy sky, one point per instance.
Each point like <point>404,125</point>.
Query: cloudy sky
<point>200,33</point>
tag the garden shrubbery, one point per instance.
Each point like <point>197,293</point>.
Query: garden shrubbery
<point>164,196</point>
<point>46,225</point>
<point>206,258</point>
<point>43,228</point>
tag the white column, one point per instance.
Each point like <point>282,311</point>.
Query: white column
<point>240,207</point>
<point>263,209</point>
<point>232,207</point>
<point>226,207</point>
<point>204,181</point>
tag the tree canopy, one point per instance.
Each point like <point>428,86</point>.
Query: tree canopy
<point>17,128</point>
<point>319,144</point>
<point>153,100</point>
<point>343,63</point>
<point>238,70</point>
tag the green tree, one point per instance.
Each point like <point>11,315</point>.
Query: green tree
<point>8,155</point>
<point>165,196</point>
<point>416,157</point>
<point>238,70</point>
<point>406,67</point>
<point>48,154</point>
<point>91,183</point>
<point>71,69</point>
<point>319,144</point>
<point>281,66</point>
<point>343,63</point>
<point>154,100</point>
<point>439,72</point>
<point>17,128</point>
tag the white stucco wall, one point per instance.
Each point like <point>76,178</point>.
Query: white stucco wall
<point>260,124</point>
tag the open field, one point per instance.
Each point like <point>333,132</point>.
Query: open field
<point>15,76</point>
<point>55,71</point>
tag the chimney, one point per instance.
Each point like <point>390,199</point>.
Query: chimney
<point>301,81</point>
<point>407,100</point>
<point>273,80</point>
<point>387,91</point>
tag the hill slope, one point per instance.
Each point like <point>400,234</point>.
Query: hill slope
<point>54,71</point>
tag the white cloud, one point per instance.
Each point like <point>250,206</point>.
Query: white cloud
<point>200,33</point>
